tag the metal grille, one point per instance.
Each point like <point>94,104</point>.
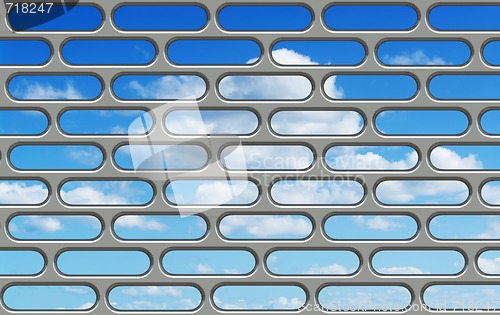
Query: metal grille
<point>264,205</point>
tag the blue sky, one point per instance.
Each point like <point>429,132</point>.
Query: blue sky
<point>124,119</point>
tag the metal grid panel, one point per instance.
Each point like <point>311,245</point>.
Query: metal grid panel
<point>264,135</point>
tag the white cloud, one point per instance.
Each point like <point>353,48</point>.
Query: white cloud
<point>89,157</point>
<point>334,269</point>
<point>170,87</point>
<point>218,192</point>
<point>317,122</point>
<point>267,157</point>
<point>489,266</point>
<point>86,306</point>
<point>493,231</point>
<point>203,268</point>
<point>117,130</point>
<point>152,291</point>
<point>43,224</point>
<point>87,195</point>
<point>140,222</point>
<point>265,225</point>
<point>332,90</point>
<point>445,158</point>
<point>265,87</point>
<point>38,91</point>
<point>491,193</point>
<point>401,271</point>
<point>378,223</point>
<point>416,58</point>
<point>22,193</point>
<point>282,303</point>
<point>349,159</point>
<point>290,57</point>
<point>317,192</point>
<point>77,290</point>
<point>431,192</point>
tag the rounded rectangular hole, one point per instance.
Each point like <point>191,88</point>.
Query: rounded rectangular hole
<point>465,17</point>
<point>370,227</point>
<point>154,298</point>
<point>375,87</point>
<point>320,52</point>
<point>160,157</point>
<point>66,17</point>
<point>15,122</point>
<point>158,87</point>
<point>365,298</point>
<point>205,122</point>
<point>49,227</point>
<point>418,262</point>
<point>227,262</point>
<point>23,192</point>
<point>26,52</point>
<point>132,227</point>
<point>488,121</point>
<point>53,298</point>
<point>54,87</point>
<point>211,192</point>
<point>259,298</point>
<point>488,262</point>
<point>473,227</point>
<point>465,157</point>
<point>160,17</point>
<point>105,122</point>
<point>490,192</point>
<point>215,51</point>
<point>422,192</point>
<point>366,17</point>
<point>317,192</point>
<point>56,157</point>
<point>21,262</point>
<point>423,53</point>
<point>462,297</point>
<point>267,157</point>
<point>312,262</point>
<point>264,17</point>
<point>421,122</point>
<point>265,227</point>
<point>490,52</point>
<point>465,87</point>
<point>86,52</point>
<point>265,87</point>
<point>106,193</point>
<point>317,123</point>
<point>384,158</point>
<point>103,262</point>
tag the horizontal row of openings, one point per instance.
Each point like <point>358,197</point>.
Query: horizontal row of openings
<point>235,297</point>
<point>242,18</point>
<point>169,87</point>
<point>275,227</point>
<point>245,192</point>
<point>318,52</point>
<point>233,262</point>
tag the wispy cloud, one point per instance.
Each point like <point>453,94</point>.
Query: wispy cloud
<point>169,87</point>
<point>39,91</point>
<point>408,270</point>
<point>415,58</point>
<point>265,225</point>
<point>140,222</point>
<point>378,223</point>
<point>22,193</point>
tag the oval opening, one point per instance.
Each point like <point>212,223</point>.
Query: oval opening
<point>265,227</point>
<point>386,158</point>
<point>205,122</point>
<point>465,87</point>
<point>317,192</point>
<point>317,123</point>
<point>106,193</point>
<point>490,192</point>
<point>148,298</point>
<point>103,262</point>
<point>370,227</point>
<point>422,192</point>
<point>267,157</point>
<point>462,297</point>
<point>465,157</point>
<point>265,87</point>
<point>21,262</point>
<point>488,262</point>
<point>54,227</point>
<point>23,192</point>
<point>468,17</point>
<point>158,87</point>
<point>312,262</point>
<point>473,227</point>
<point>209,262</point>
<point>159,227</point>
<point>31,52</point>
<point>56,157</point>
<point>22,122</point>
<point>489,122</point>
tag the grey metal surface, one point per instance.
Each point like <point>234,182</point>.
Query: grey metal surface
<point>264,109</point>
